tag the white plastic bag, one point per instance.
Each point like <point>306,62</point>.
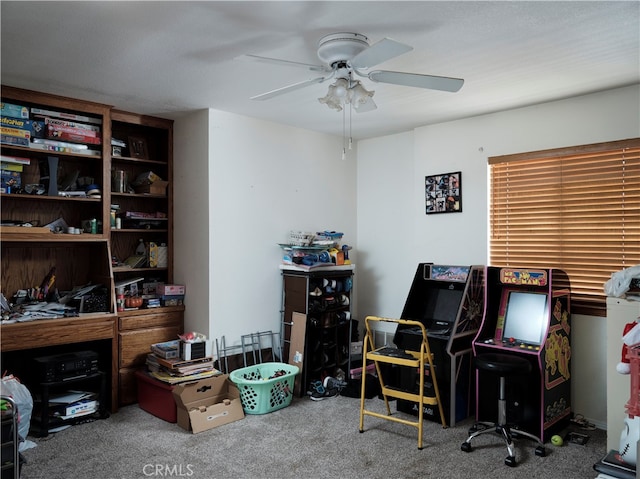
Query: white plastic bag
<point>13,388</point>
<point>620,281</point>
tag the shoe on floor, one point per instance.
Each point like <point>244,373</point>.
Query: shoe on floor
<point>333,383</point>
<point>328,393</point>
<point>320,392</point>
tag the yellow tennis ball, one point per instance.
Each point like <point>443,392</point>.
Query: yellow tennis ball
<point>556,440</point>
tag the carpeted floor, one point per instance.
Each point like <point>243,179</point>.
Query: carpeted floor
<point>308,439</point>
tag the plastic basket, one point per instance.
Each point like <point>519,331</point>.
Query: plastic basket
<point>260,391</point>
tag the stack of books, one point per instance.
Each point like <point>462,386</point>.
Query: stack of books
<point>166,365</point>
<point>50,130</point>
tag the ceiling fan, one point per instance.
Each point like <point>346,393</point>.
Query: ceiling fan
<point>347,54</point>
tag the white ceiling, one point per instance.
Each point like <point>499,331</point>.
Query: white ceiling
<point>164,58</point>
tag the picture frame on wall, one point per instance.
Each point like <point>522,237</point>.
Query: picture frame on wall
<point>443,193</point>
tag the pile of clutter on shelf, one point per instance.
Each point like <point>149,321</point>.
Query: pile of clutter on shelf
<point>315,249</point>
<point>47,302</point>
<point>141,293</point>
<point>185,359</point>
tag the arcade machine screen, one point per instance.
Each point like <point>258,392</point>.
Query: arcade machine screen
<point>525,317</point>
<point>435,307</point>
<point>445,311</point>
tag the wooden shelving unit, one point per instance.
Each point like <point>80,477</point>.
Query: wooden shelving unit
<point>28,254</point>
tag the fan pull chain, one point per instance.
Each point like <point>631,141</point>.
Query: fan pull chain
<point>344,135</point>
<point>350,135</point>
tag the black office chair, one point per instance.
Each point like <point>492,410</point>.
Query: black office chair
<point>503,365</point>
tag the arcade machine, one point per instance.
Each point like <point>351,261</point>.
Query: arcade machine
<point>527,314</point>
<point>448,300</point>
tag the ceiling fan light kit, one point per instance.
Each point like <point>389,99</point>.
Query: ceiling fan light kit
<point>347,54</point>
<point>347,91</point>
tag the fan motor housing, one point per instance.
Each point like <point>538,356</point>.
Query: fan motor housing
<point>341,47</point>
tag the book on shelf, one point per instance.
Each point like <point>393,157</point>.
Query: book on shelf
<point>71,129</point>
<point>13,110</point>
<point>88,129</point>
<point>63,147</point>
<point>15,159</point>
<point>68,116</point>
<point>68,136</point>
<point>18,167</point>
<point>18,123</point>
<point>15,131</point>
<point>13,140</point>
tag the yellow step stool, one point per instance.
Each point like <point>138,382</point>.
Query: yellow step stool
<point>413,359</point>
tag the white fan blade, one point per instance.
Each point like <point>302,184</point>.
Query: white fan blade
<point>379,52</point>
<point>287,89</point>
<point>416,80</point>
<point>369,105</point>
<point>277,61</point>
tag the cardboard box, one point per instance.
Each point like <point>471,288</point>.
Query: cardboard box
<point>10,179</point>
<point>158,187</point>
<point>146,178</point>
<point>167,350</point>
<point>170,289</point>
<point>14,111</point>
<point>175,300</point>
<point>296,349</point>
<point>16,123</point>
<point>207,403</point>
<point>152,254</point>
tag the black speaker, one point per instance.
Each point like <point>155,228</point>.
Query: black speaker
<point>49,175</point>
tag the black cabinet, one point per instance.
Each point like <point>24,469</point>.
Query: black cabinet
<point>323,295</point>
<point>43,421</point>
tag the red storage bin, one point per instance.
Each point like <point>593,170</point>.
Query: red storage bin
<point>156,397</point>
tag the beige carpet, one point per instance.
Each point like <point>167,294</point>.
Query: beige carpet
<point>307,439</point>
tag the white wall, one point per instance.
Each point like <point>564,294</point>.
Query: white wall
<point>192,246</point>
<point>387,267</point>
<point>386,226</point>
<point>261,180</point>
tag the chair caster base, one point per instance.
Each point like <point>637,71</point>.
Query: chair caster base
<point>510,461</point>
<point>541,451</point>
<point>466,447</point>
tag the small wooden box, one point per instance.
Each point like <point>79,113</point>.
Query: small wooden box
<point>158,187</point>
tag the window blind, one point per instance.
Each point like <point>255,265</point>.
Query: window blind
<point>576,209</point>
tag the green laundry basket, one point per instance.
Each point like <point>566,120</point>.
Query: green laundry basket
<point>265,387</point>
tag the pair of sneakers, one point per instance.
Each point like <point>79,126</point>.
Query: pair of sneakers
<point>328,388</point>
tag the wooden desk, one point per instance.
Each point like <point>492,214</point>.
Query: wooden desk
<point>55,332</point>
